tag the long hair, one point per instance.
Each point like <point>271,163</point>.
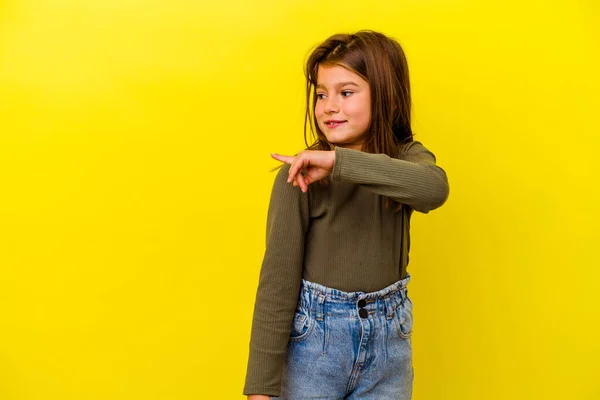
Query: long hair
<point>381,62</point>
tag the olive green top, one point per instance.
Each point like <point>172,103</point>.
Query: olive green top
<point>339,235</point>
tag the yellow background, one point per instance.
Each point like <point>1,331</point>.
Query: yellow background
<point>134,184</point>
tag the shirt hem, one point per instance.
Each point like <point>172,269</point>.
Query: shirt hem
<point>263,390</point>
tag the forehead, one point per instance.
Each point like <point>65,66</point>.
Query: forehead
<point>332,75</point>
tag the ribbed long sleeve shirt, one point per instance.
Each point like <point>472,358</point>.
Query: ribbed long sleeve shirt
<point>340,235</point>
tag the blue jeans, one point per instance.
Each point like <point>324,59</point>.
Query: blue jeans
<point>350,345</point>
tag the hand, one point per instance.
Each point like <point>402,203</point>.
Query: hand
<point>258,397</point>
<point>317,164</point>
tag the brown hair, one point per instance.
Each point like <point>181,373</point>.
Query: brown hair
<point>380,61</point>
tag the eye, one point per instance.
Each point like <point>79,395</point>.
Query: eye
<point>320,96</point>
<point>346,93</point>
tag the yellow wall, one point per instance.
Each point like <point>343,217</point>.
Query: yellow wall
<point>134,156</point>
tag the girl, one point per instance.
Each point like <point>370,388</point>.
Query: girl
<point>332,318</point>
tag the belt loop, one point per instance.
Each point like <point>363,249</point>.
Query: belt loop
<point>402,296</point>
<point>320,306</point>
<point>389,309</point>
<point>404,292</point>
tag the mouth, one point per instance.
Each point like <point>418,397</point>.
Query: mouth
<point>333,123</point>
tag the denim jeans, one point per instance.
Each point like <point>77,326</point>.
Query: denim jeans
<point>350,345</point>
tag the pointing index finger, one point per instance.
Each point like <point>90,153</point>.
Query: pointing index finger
<point>282,158</point>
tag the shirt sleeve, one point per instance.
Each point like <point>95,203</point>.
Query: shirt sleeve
<point>278,287</point>
<point>413,178</point>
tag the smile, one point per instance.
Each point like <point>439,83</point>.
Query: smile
<point>334,124</point>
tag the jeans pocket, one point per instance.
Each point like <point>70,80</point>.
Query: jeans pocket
<point>403,318</point>
<point>302,325</point>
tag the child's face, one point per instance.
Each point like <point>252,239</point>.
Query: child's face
<point>343,108</point>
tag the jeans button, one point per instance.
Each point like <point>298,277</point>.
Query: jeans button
<point>362,303</point>
<point>363,313</point>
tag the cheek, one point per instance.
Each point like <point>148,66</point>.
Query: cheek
<point>318,110</point>
<point>360,113</point>
<point>319,116</point>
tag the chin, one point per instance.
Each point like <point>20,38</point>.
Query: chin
<point>336,139</point>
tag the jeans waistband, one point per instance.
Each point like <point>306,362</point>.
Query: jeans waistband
<point>332,294</point>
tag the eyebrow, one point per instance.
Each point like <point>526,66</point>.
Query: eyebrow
<point>319,86</point>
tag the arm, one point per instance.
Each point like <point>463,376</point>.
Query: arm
<point>278,288</point>
<point>414,179</point>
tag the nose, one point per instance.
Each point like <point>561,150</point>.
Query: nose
<point>331,105</point>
